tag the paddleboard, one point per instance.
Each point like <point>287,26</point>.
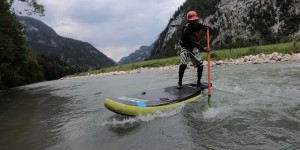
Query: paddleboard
<point>154,100</point>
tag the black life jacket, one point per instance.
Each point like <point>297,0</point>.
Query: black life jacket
<point>196,35</point>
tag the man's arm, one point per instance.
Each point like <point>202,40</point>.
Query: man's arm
<point>204,27</point>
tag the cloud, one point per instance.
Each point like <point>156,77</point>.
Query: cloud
<point>120,25</point>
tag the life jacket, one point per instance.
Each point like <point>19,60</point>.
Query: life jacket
<point>196,35</point>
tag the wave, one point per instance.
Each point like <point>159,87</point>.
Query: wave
<point>118,121</point>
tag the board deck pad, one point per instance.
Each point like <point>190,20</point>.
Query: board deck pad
<point>162,96</point>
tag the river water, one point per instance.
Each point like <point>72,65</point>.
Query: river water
<point>252,107</point>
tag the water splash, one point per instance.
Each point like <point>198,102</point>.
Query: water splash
<point>213,112</point>
<point>123,121</point>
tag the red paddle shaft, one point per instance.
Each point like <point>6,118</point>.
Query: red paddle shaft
<point>208,62</point>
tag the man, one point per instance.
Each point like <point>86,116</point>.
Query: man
<point>190,44</point>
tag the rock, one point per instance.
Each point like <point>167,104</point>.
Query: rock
<point>262,56</point>
<point>253,58</point>
<point>246,58</point>
<point>274,56</point>
<point>218,63</point>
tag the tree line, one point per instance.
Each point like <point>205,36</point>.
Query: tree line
<point>18,64</point>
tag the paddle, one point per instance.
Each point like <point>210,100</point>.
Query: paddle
<point>208,66</point>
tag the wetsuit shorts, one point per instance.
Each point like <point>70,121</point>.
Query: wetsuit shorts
<point>193,54</point>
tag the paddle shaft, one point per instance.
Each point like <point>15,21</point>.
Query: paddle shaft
<point>208,63</point>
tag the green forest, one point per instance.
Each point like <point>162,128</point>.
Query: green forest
<point>18,64</point>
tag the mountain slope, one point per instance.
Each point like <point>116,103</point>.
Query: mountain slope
<point>43,39</point>
<point>139,55</point>
<point>237,23</point>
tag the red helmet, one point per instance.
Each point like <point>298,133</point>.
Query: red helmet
<point>192,15</point>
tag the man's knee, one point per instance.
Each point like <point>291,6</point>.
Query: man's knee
<point>200,64</point>
<point>200,67</point>
<point>182,66</point>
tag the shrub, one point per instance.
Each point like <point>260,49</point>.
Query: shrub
<point>254,50</point>
<point>213,55</point>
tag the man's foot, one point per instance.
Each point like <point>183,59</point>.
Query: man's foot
<point>201,86</point>
<point>179,86</point>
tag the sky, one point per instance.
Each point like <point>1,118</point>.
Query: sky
<point>115,27</point>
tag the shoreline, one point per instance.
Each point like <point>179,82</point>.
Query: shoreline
<point>250,59</point>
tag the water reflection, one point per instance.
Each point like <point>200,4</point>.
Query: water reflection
<point>33,119</point>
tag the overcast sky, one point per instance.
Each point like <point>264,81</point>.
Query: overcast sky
<point>115,27</point>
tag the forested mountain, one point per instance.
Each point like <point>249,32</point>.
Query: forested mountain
<point>237,23</point>
<point>19,65</point>
<point>138,55</point>
<point>44,40</point>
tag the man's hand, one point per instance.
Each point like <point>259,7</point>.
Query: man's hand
<point>206,49</point>
<point>209,26</point>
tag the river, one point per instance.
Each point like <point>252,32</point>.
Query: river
<point>252,107</point>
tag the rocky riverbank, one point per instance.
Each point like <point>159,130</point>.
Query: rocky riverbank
<point>251,59</point>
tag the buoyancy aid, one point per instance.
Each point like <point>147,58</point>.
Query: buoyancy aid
<point>196,35</point>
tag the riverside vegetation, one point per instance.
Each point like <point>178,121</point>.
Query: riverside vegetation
<point>218,55</point>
